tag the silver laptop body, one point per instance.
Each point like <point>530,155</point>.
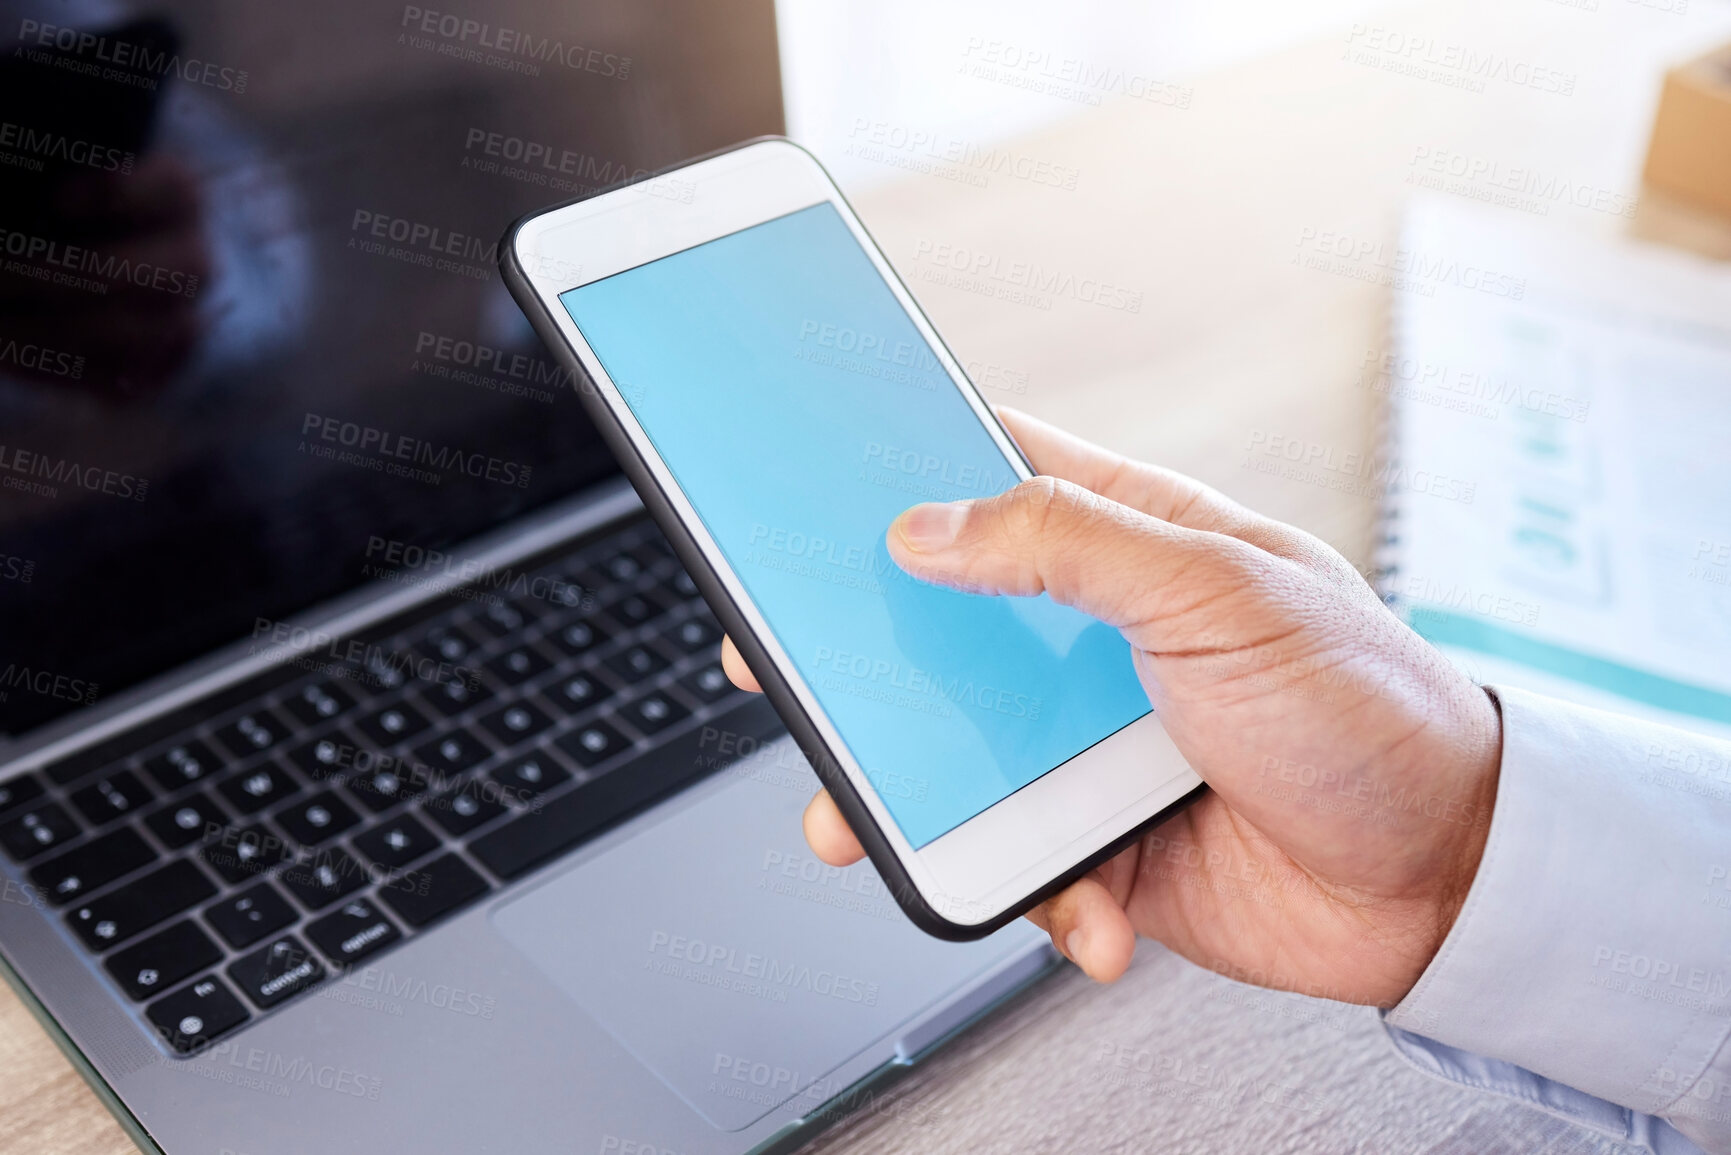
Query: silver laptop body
<point>690,980</point>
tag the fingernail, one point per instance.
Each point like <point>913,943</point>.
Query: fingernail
<point>931,527</point>
<point>1074,944</point>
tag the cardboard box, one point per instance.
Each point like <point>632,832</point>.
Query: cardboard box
<point>1690,156</point>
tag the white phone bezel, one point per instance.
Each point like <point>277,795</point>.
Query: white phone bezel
<point>998,858</point>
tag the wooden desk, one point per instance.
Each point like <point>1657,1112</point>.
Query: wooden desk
<point>1201,211</point>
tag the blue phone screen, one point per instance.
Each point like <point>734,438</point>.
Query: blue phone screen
<point>800,411</point>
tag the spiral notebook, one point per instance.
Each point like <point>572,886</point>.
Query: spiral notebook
<point>1575,393</point>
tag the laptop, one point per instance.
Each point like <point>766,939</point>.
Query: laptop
<point>368,778</point>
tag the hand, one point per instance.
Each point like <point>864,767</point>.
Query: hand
<point>1352,769</point>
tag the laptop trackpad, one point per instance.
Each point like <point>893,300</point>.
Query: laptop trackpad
<point>736,966</point>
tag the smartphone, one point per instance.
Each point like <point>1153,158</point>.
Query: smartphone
<point>777,398</point>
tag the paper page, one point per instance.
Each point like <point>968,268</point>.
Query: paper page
<point>1580,391</point>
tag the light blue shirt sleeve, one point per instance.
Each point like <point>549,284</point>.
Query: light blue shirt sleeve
<point>1589,971</point>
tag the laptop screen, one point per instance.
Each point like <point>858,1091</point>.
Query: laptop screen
<point>253,343</point>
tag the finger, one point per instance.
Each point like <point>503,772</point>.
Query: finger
<point>1157,492</point>
<point>1161,493</point>
<point>735,668</point>
<point>1049,536</point>
<point>828,834</point>
<point>1090,928</point>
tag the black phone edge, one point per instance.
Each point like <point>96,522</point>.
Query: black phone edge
<point>776,688</point>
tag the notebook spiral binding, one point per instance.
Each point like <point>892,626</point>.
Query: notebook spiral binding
<point>1386,544</point>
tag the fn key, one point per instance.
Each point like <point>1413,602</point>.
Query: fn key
<point>428,892</point>
<point>191,1018</point>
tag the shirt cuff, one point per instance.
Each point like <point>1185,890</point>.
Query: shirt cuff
<point>1594,947</point>
<point>1577,1107</point>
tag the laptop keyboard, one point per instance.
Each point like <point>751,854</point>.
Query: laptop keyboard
<point>226,859</point>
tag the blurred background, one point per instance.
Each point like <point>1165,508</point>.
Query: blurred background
<point>905,63</point>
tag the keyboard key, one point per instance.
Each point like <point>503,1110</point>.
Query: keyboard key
<point>622,567</point>
<point>516,723</point>
<point>652,551</point>
<point>635,609</point>
<point>710,684</point>
<point>163,959</point>
<point>432,891</point>
<point>112,797</point>
<point>500,619</point>
<point>328,876</point>
<point>516,666</point>
<point>460,811</point>
<point>15,792</point>
<point>36,831</point>
<point>394,724</point>
<point>386,671</point>
<point>97,863</point>
<point>663,590</point>
<point>182,763</point>
<point>453,753</point>
<point>565,595</point>
<point>252,732</point>
<point>318,702</point>
<point>397,842</point>
<point>447,644</point>
<point>385,787</point>
<point>188,1020</point>
<point>252,790</point>
<point>694,634</point>
<point>580,636</point>
<point>453,697</point>
<point>140,904</point>
<point>594,582</point>
<point>653,712</point>
<point>593,743</point>
<point>323,758</point>
<point>683,585</point>
<point>636,663</point>
<point>578,693</point>
<point>523,842</point>
<point>352,932</point>
<point>242,852</point>
<point>311,821</point>
<point>182,823</point>
<point>245,918</point>
<point>526,779</point>
<point>279,971</point>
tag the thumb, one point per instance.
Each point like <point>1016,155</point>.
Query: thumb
<point>1046,535</point>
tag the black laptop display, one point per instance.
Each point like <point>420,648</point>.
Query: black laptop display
<point>253,347</point>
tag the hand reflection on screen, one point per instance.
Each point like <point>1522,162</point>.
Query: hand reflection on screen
<point>129,308</point>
